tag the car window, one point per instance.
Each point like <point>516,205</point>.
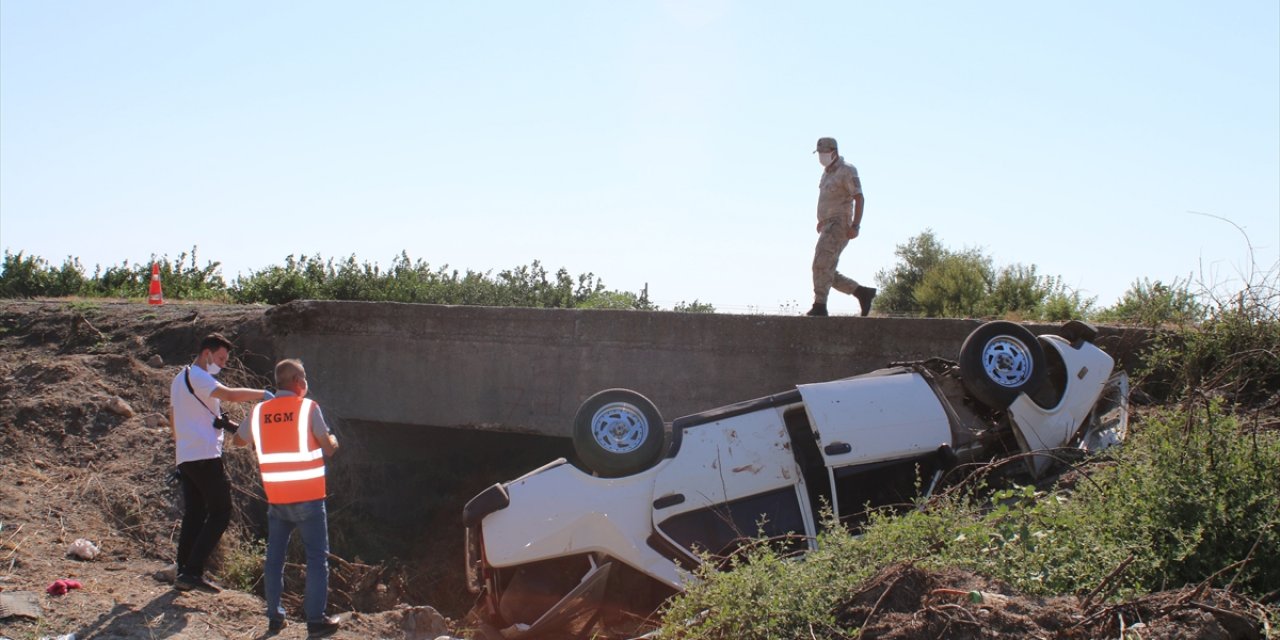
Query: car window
<point>894,484</point>
<point>722,528</point>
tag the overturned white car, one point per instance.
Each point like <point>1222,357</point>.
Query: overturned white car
<point>559,540</point>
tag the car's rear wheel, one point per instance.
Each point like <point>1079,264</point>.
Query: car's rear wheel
<point>1000,360</point>
<point>618,432</point>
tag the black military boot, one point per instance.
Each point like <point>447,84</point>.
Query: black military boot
<point>865,295</point>
<point>819,309</point>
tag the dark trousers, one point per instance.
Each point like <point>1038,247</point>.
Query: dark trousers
<point>206,496</point>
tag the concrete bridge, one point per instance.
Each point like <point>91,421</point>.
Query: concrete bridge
<point>527,370</point>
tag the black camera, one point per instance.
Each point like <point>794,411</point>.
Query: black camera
<point>226,424</point>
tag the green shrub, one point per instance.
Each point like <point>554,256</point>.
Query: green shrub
<point>408,281</point>
<point>897,285</point>
<point>242,563</point>
<point>932,280</point>
<point>1188,495</point>
<point>1234,351</point>
<point>1198,491</point>
<point>1017,290</point>
<point>956,287</point>
<point>1062,304</point>
<point>32,277</point>
<point>1155,304</point>
<point>297,280</point>
<point>695,307</point>
<point>763,595</point>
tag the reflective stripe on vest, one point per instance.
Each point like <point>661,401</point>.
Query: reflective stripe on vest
<point>289,456</point>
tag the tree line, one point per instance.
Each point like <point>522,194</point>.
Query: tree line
<point>932,280</point>
<point>928,280</point>
<point>317,278</point>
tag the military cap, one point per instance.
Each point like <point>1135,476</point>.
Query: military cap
<point>826,144</point>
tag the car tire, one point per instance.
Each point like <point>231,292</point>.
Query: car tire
<point>618,432</point>
<point>1000,360</point>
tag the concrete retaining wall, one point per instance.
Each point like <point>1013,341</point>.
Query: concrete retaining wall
<point>528,370</point>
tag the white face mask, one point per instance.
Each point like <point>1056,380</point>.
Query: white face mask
<point>826,158</point>
<point>213,368</point>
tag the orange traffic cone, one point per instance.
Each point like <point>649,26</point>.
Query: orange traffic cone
<point>155,297</point>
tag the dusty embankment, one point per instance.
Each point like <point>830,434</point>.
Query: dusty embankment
<point>85,452</point>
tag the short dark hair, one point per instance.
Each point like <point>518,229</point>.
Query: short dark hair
<point>288,372</point>
<point>215,341</point>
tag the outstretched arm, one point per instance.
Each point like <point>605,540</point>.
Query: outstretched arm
<point>238,394</point>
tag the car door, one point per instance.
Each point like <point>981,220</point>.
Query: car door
<point>731,479</point>
<point>873,431</point>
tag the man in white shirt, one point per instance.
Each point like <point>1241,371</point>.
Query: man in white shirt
<point>195,402</point>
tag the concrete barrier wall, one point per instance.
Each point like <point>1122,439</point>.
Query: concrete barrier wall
<point>527,370</point>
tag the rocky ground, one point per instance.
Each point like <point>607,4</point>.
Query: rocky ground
<point>85,453</point>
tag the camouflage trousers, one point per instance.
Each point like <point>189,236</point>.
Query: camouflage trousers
<point>832,241</point>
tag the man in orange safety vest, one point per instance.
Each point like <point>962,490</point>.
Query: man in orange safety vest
<point>292,441</point>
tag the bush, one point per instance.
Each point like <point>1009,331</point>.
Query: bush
<point>1199,492</point>
<point>762,595</point>
<point>934,281</point>
<point>694,307</point>
<point>1154,304</point>
<point>27,277</point>
<point>1193,492</point>
<point>315,278</point>
<point>898,285</point>
<point>956,287</point>
<point>32,277</point>
<point>1062,304</point>
<point>242,563</point>
<point>408,281</point>
<point>298,279</point>
<point>1017,289</point>
<point>1233,352</point>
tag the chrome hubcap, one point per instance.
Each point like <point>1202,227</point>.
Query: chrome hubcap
<point>1007,361</point>
<point>619,428</point>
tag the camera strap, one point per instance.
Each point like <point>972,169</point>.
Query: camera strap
<point>186,376</point>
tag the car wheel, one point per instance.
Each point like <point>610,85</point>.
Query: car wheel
<point>618,432</point>
<point>1000,360</point>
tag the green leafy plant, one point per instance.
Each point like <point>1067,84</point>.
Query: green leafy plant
<point>315,278</point>
<point>242,563</point>
<point>933,280</point>
<point>1192,496</point>
<point>694,307</point>
<point>1155,304</point>
<point>955,287</point>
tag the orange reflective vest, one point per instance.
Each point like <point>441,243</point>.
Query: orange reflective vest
<point>289,456</point>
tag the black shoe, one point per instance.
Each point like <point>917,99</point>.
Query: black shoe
<point>819,309</point>
<point>865,295</point>
<point>276,625</point>
<point>195,583</point>
<point>324,629</point>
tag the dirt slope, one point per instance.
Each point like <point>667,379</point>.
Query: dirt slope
<point>85,452</point>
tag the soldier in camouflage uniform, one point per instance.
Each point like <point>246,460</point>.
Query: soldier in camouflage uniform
<point>839,217</point>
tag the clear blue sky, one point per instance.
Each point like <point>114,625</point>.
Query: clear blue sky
<point>664,142</point>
